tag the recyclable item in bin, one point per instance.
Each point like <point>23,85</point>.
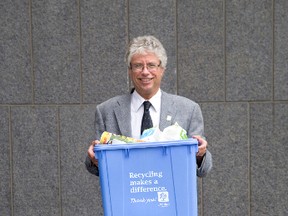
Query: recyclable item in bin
<point>110,138</point>
<point>151,179</point>
<point>173,132</point>
<point>152,135</point>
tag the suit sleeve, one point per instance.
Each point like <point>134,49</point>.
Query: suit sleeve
<point>197,128</point>
<point>206,165</point>
<point>98,124</point>
<point>92,168</point>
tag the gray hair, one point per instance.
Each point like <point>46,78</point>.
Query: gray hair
<point>146,44</point>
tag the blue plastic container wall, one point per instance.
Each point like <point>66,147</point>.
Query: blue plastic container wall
<point>149,179</point>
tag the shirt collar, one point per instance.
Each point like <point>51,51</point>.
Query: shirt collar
<point>137,101</point>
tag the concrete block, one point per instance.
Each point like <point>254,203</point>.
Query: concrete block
<point>56,52</point>
<point>226,189</point>
<point>35,161</point>
<point>249,40</point>
<point>200,64</point>
<point>269,138</point>
<point>104,38</point>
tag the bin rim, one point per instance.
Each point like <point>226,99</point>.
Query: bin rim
<point>139,145</point>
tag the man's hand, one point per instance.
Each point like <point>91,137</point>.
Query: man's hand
<point>91,153</point>
<point>202,147</point>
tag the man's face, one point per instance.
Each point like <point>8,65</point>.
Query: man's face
<point>146,74</point>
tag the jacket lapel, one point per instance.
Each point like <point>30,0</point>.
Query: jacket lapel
<point>122,113</point>
<point>123,116</point>
<point>168,114</point>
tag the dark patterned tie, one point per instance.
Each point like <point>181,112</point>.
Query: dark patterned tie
<point>146,119</point>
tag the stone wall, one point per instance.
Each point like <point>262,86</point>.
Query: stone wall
<point>60,58</point>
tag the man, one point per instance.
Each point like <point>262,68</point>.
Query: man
<point>146,59</point>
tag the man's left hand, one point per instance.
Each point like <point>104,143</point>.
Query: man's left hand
<point>202,145</point>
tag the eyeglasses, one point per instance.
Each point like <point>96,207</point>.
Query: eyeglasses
<point>140,67</point>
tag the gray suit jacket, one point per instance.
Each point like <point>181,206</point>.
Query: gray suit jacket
<point>114,116</point>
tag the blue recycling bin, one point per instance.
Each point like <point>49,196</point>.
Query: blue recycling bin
<point>148,179</point>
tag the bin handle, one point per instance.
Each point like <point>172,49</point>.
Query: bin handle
<point>126,152</point>
<point>164,150</point>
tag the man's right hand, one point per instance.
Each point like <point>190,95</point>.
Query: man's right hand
<point>91,153</point>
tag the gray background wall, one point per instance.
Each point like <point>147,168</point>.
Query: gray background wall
<point>59,58</point>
